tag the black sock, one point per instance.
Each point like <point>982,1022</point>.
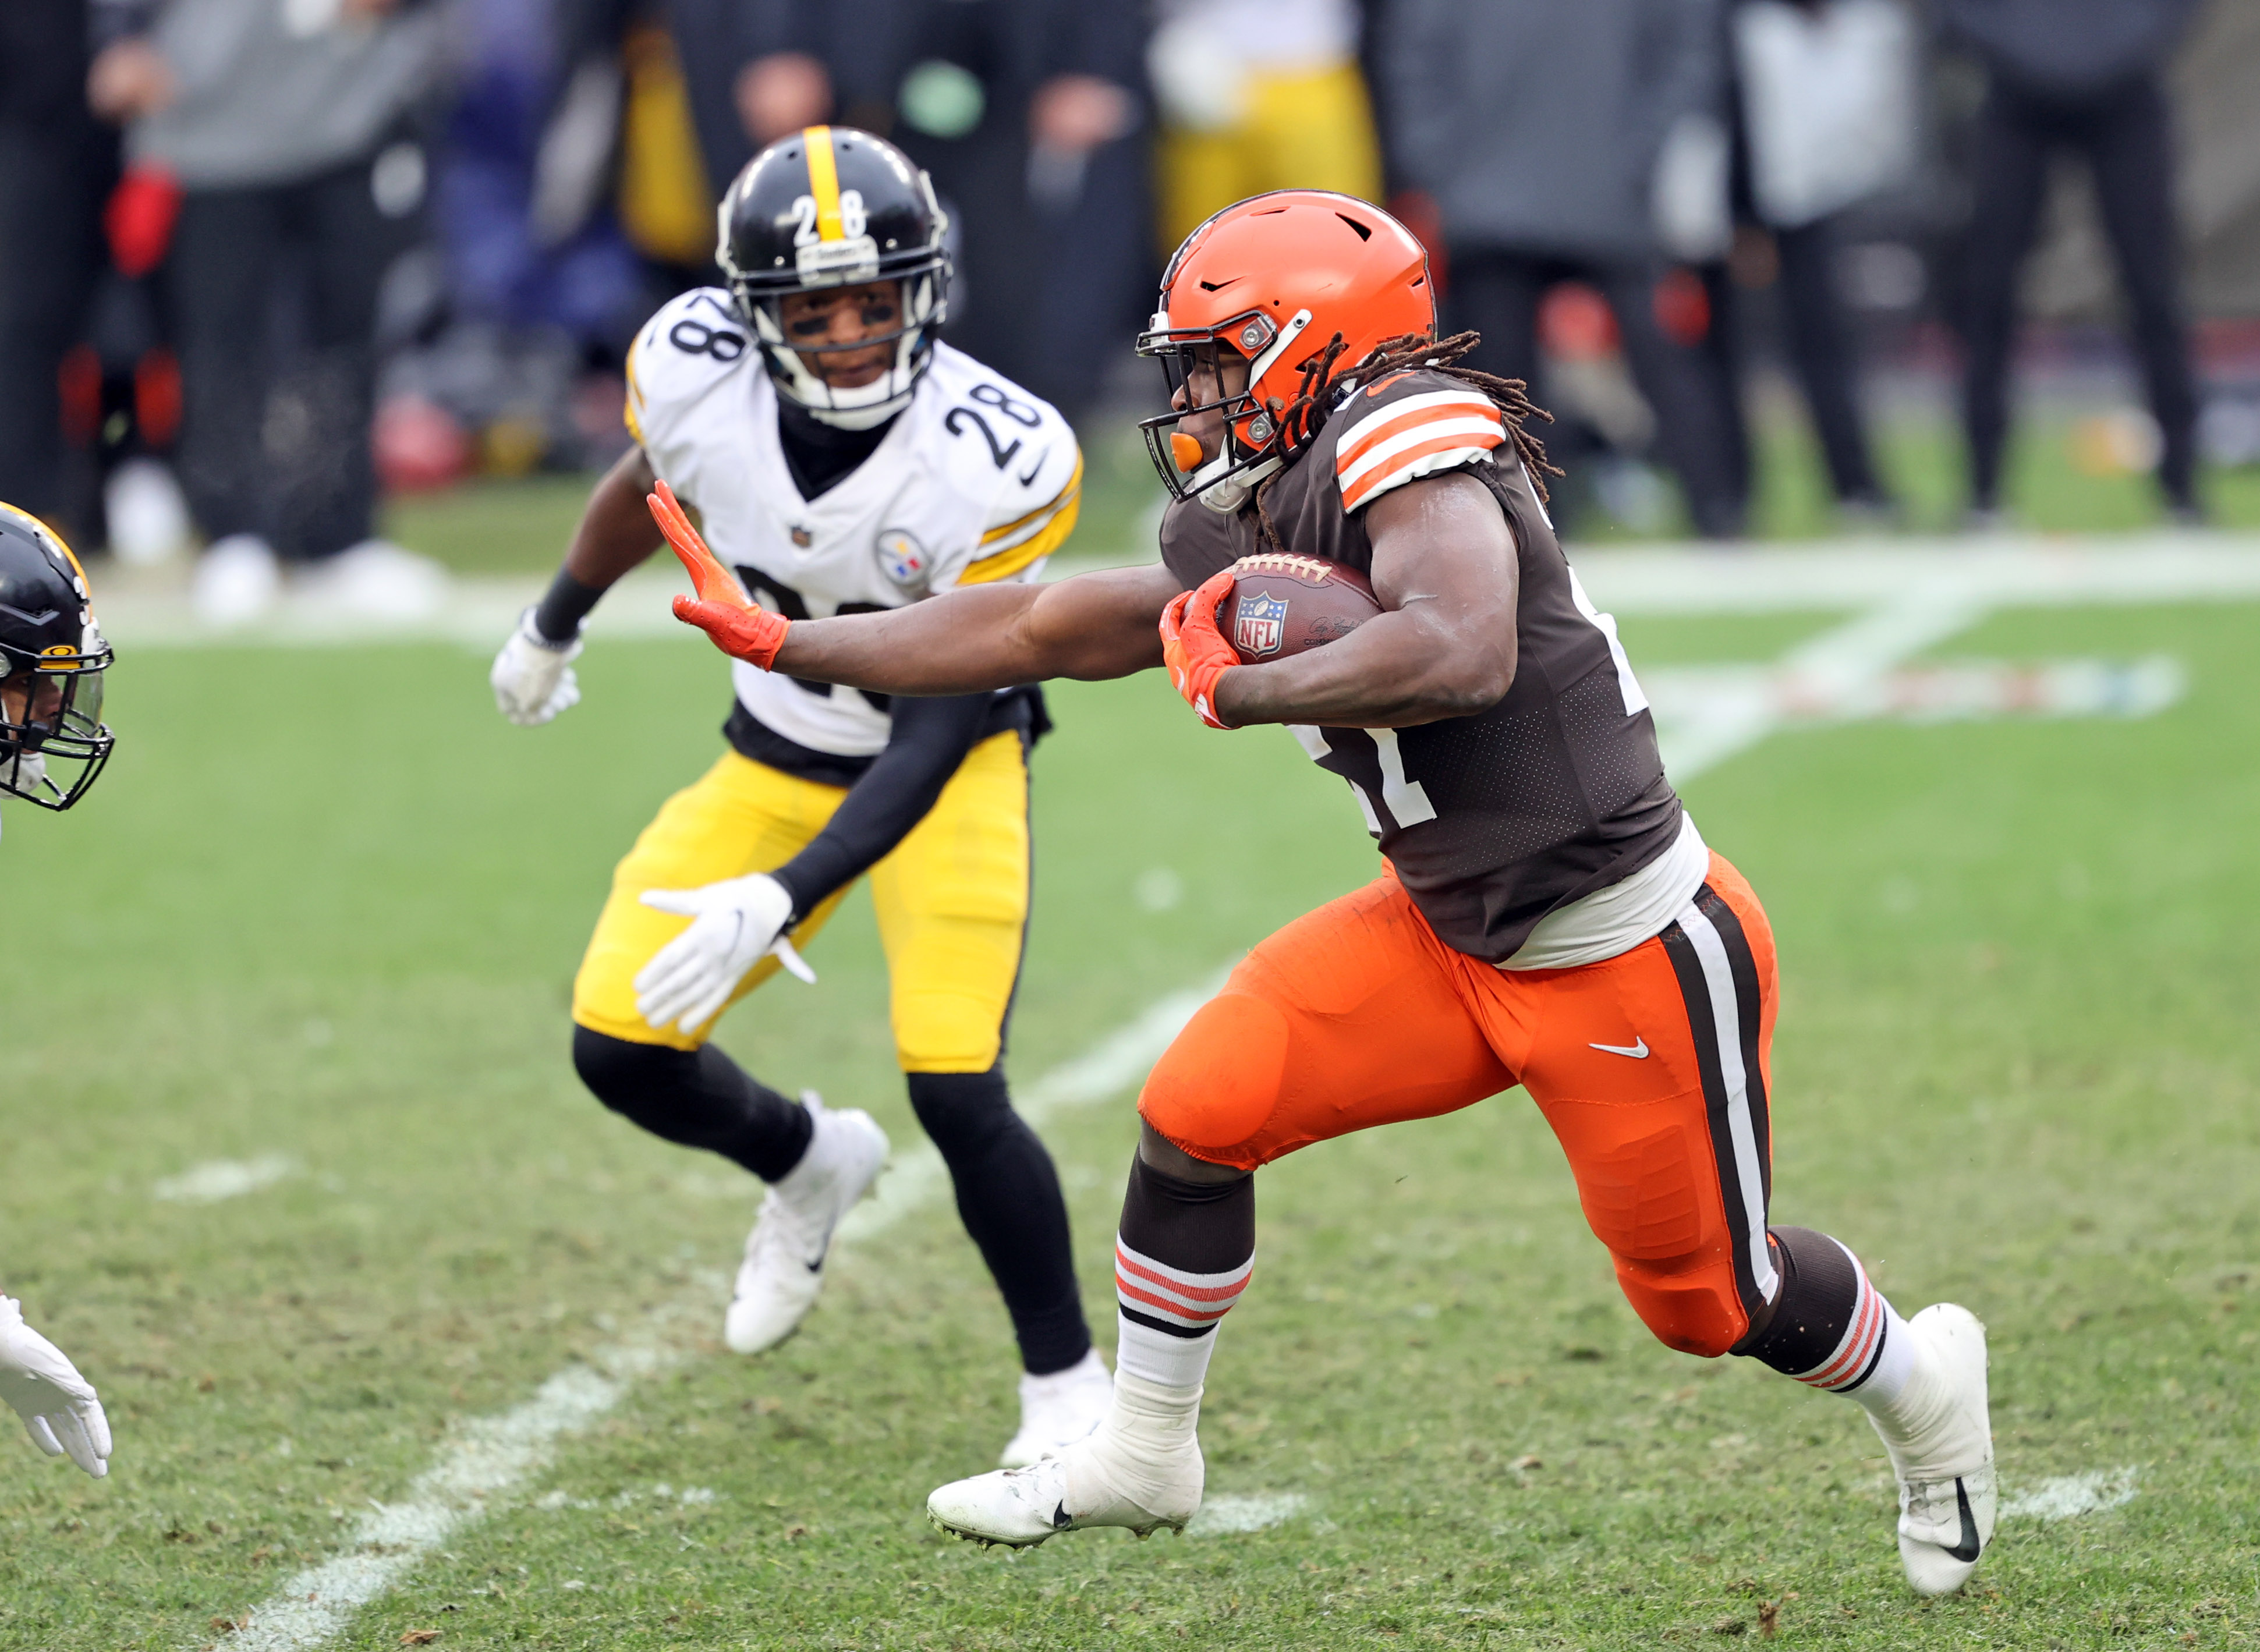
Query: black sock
<point>1008,1195</point>
<point>1812,1307</point>
<point>1182,1257</point>
<point>1194,1227</point>
<point>699,1099</point>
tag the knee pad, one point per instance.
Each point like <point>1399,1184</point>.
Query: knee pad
<point>1639,1196</point>
<point>1690,1303</point>
<point>1219,1082</point>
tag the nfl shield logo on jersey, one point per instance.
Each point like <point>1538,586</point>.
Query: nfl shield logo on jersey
<point>901,557</point>
<point>1260,623</point>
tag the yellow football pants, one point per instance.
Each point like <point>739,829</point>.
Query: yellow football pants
<point>952,899</point>
<point>1311,130</point>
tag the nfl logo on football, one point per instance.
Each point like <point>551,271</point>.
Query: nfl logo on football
<point>1260,624</point>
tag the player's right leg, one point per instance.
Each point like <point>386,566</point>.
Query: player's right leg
<point>1654,1069</point>
<point>1346,1018</point>
<point>740,816</point>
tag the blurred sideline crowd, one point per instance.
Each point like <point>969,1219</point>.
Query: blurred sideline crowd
<point>270,259</point>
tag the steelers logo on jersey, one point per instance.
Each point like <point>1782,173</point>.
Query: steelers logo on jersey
<point>902,559</point>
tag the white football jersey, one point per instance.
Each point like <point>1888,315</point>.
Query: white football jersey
<point>975,481</point>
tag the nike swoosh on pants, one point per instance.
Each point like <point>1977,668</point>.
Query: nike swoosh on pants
<point>1637,1049</point>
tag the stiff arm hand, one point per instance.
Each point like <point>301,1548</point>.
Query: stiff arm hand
<point>58,1405</point>
<point>739,628</point>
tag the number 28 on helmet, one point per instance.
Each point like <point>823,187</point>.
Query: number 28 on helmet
<point>53,743</point>
<point>831,206</point>
<point>1271,280</point>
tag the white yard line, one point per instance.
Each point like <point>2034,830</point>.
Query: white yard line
<point>486,1458</point>
<point>1840,665</point>
<point>2071,1495</point>
<point>216,1179</point>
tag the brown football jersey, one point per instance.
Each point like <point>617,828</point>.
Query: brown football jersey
<point>1495,819</point>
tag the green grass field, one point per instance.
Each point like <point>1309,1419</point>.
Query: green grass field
<point>326,909</point>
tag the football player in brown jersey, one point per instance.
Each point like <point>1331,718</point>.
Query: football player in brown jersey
<point>1547,913</point>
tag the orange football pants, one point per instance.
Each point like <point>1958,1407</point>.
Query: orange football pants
<point>1652,1067</point>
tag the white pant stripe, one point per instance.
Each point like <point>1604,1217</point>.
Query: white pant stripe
<point>1726,1015</point>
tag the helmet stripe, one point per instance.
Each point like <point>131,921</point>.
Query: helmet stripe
<point>824,183</point>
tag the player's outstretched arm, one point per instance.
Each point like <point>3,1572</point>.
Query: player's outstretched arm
<point>966,641</point>
<point>1445,570</point>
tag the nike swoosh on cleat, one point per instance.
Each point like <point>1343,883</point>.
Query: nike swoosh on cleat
<point>1637,1050</point>
<point>1061,1519</point>
<point>1967,1550</point>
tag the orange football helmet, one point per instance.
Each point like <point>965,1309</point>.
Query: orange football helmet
<point>1273,280</point>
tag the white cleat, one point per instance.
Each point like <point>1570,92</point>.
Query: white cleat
<point>783,1269</point>
<point>1058,1409</point>
<point>1141,1469</point>
<point>1020,1508</point>
<point>1944,1453</point>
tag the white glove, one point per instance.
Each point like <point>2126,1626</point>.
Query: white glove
<point>57,1405</point>
<point>532,677</point>
<point>732,923</point>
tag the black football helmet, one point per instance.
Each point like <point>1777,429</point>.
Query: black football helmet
<point>832,206</point>
<point>53,743</point>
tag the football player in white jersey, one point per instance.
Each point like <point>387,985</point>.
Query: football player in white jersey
<point>843,461</point>
<point>53,744</point>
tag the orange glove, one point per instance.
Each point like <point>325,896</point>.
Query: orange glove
<point>739,627</point>
<point>1194,649</point>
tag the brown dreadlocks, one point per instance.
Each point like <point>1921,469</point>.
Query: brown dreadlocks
<point>1305,416</point>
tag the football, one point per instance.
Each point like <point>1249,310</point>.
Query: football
<point>1282,605</point>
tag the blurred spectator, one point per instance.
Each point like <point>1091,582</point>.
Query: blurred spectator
<point>1538,129</point>
<point>1258,95</point>
<point>571,202</point>
<point>1822,106</point>
<point>56,165</point>
<point>284,132</point>
<point>1025,112</point>
<point>2085,76</point>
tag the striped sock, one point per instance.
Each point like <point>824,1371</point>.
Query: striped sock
<point>1182,1257</point>
<point>1831,1328</point>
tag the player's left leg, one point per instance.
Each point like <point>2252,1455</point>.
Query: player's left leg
<point>952,901</point>
<point>1654,1069</point>
<point>739,817</point>
<point>1349,1018</point>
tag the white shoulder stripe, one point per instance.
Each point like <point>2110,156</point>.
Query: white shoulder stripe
<point>1376,460</point>
<point>1427,465</point>
<point>1370,417</point>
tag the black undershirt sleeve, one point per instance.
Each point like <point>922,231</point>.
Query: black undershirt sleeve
<point>929,740</point>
